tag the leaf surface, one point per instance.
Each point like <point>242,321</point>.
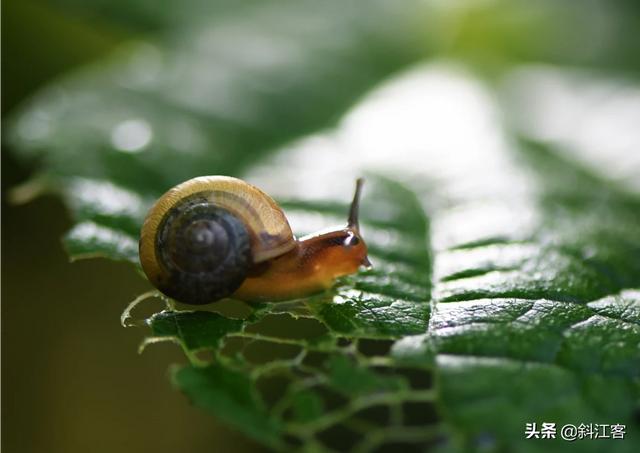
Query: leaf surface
<point>506,267</point>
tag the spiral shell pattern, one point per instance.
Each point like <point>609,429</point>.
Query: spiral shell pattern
<point>205,251</point>
<point>201,238</point>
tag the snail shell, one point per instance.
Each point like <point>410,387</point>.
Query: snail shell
<point>201,238</point>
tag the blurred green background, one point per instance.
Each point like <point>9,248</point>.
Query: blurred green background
<point>71,378</point>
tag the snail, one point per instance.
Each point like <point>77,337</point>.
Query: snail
<point>213,237</point>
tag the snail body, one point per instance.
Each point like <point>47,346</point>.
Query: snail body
<point>215,236</point>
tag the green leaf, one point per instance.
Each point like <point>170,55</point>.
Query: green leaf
<point>91,240</point>
<point>196,330</point>
<point>230,396</point>
<point>495,398</point>
<point>352,380</point>
<point>307,406</point>
<point>366,315</point>
<point>195,99</point>
<point>506,256</point>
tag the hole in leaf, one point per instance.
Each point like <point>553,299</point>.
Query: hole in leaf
<point>261,352</point>
<point>143,307</point>
<point>315,359</point>
<point>232,309</point>
<point>331,400</point>
<point>272,387</point>
<point>404,447</point>
<point>419,414</point>
<point>390,374</point>
<point>378,415</point>
<point>234,346</point>
<point>293,442</point>
<point>418,379</point>
<point>339,438</point>
<point>205,355</point>
<point>229,308</point>
<point>371,348</point>
<point>285,326</point>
